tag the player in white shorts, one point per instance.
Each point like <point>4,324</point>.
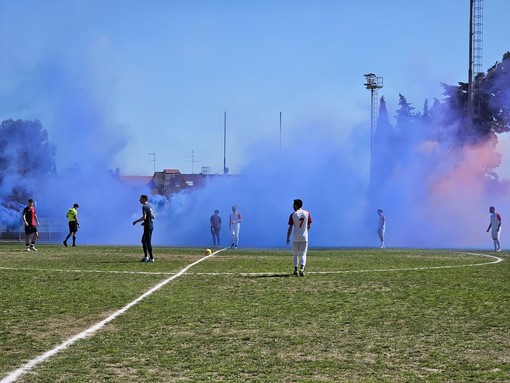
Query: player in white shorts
<point>234,225</point>
<point>495,225</point>
<point>381,227</point>
<point>299,221</point>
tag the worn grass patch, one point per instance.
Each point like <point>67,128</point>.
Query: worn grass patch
<point>359,315</point>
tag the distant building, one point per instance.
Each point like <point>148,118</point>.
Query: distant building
<point>170,181</point>
<point>136,181</point>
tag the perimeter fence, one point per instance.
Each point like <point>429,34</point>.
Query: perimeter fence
<point>50,230</point>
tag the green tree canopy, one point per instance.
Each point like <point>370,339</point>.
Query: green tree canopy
<point>25,154</point>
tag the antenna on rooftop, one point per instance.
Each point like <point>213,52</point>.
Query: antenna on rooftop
<point>153,160</point>
<point>192,161</point>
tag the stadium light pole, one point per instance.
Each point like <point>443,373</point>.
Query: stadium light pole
<point>372,83</point>
<point>280,141</point>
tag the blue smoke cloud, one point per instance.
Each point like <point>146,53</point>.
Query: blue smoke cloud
<point>315,165</point>
<point>437,200</point>
<point>86,141</point>
<point>435,191</point>
<point>435,195</point>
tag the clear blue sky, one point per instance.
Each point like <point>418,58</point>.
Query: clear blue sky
<point>118,79</point>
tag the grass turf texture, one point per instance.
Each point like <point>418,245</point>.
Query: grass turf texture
<point>240,316</point>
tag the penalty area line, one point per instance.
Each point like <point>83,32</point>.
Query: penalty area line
<point>14,375</point>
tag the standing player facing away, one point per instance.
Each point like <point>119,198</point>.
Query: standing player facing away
<point>300,221</point>
<point>31,222</point>
<point>495,225</point>
<point>381,227</point>
<point>234,225</point>
<point>216,227</point>
<point>72,217</point>
<point>146,220</point>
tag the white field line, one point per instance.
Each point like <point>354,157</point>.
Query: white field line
<point>14,375</point>
<point>88,271</point>
<point>495,260</point>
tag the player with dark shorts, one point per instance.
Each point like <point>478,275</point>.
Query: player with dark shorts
<point>216,227</point>
<point>146,220</point>
<point>72,217</point>
<point>31,222</point>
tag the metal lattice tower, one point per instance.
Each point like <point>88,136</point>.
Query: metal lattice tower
<point>374,114</point>
<point>475,57</point>
<point>373,83</point>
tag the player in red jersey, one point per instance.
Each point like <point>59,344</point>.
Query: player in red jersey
<point>31,222</point>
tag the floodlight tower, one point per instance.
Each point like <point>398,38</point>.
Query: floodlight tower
<point>475,58</point>
<point>373,83</point>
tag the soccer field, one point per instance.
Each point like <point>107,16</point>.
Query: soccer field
<point>358,315</point>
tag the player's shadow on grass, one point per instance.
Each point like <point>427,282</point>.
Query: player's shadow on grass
<point>117,261</point>
<point>270,276</point>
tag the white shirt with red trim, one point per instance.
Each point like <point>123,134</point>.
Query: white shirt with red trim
<point>300,220</point>
<point>235,218</point>
<point>495,221</point>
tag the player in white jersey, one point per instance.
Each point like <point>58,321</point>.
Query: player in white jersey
<point>495,225</point>
<point>381,227</point>
<point>299,221</point>
<point>234,225</point>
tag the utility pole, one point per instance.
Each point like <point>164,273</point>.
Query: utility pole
<point>225,169</point>
<point>280,164</point>
<point>280,135</point>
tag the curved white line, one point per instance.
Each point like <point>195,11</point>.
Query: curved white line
<point>496,260</point>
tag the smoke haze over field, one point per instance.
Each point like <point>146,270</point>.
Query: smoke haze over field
<point>434,198</point>
<point>432,184</point>
<point>434,175</point>
<point>315,165</point>
<point>112,81</point>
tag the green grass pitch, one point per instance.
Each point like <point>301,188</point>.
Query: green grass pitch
<point>358,315</point>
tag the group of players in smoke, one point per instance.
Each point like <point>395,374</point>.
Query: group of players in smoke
<point>299,223</point>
